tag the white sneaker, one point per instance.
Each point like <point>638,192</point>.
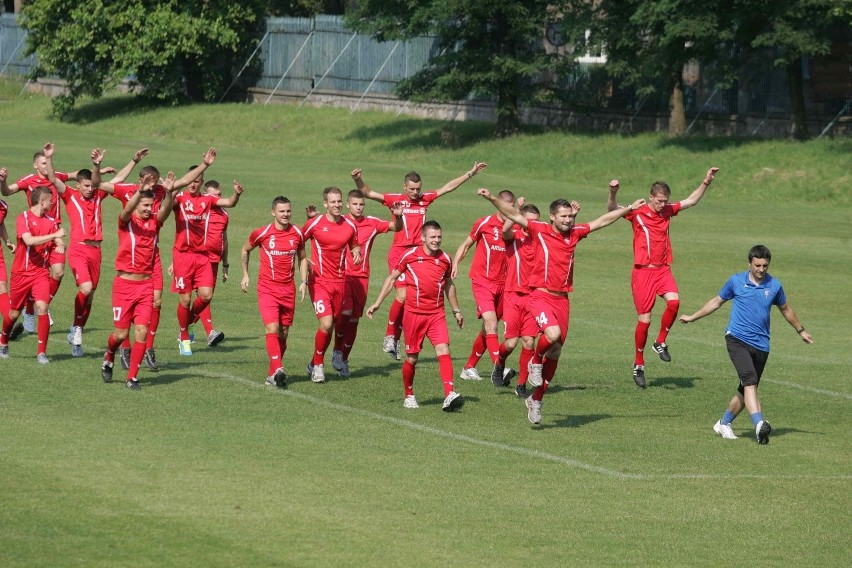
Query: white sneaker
<point>389,344</point>
<point>337,360</point>
<point>317,373</point>
<point>42,359</point>
<point>29,323</point>
<point>470,374</point>
<point>534,378</point>
<point>75,336</point>
<point>533,409</point>
<point>724,430</point>
<point>410,402</point>
<point>397,353</point>
<point>454,401</point>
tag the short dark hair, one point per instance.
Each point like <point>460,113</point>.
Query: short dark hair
<point>530,208</point>
<point>211,183</point>
<point>38,192</point>
<point>507,195</point>
<point>37,155</point>
<point>84,174</point>
<point>280,200</point>
<point>559,203</point>
<point>331,189</point>
<point>412,177</point>
<point>355,193</point>
<point>759,251</point>
<point>149,170</point>
<point>149,193</point>
<point>660,187</point>
<point>430,225</point>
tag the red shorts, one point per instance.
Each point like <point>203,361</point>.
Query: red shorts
<point>394,254</point>
<point>355,295</point>
<point>56,257</point>
<point>132,302</point>
<point>549,310</point>
<point>326,295</point>
<point>488,296</point>
<point>417,327</point>
<point>648,283</point>
<point>30,283</point>
<point>517,319</point>
<point>192,271</point>
<point>85,263</point>
<point>276,302</point>
<point>2,267</point>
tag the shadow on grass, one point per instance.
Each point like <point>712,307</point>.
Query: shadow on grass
<point>673,382</point>
<point>439,401</point>
<point>572,421</point>
<point>704,144</point>
<point>415,133</point>
<point>111,107</point>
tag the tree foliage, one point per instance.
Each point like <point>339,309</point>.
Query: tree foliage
<point>175,50</point>
<point>486,47</point>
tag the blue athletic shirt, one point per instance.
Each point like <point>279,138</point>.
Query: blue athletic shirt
<point>752,303</point>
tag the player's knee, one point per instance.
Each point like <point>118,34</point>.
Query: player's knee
<point>673,304</point>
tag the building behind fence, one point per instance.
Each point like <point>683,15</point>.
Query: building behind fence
<point>319,62</point>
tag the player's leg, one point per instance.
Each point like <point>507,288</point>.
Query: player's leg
<point>667,288</point>
<point>644,296</point>
<point>415,331</point>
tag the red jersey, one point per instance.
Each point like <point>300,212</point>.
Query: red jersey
<point>124,191</point>
<point>192,213</point>
<point>651,242</point>
<point>278,252</point>
<point>217,224</point>
<point>30,182</point>
<point>489,258</point>
<point>36,257</point>
<point>84,214</point>
<point>368,228</point>
<point>137,244</point>
<point>521,260</point>
<point>330,243</point>
<point>426,277</point>
<point>413,217</point>
<point>4,210</point>
<point>554,255</point>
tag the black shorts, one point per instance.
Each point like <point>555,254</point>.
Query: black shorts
<point>748,361</point>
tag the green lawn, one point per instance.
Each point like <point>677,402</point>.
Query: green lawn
<point>208,467</point>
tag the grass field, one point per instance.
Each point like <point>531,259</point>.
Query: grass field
<point>208,467</point>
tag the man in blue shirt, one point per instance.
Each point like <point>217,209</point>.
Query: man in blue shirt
<point>754,292</point>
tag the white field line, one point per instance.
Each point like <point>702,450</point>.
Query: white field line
<point>773,355</point>
<point>506,447</point>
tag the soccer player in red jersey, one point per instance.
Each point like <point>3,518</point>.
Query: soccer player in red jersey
<point>551,282</point>
<point>133,286</point>
<point>331,236</point>
<point>38,235</point>
<point>83,205</point>
<point>148,175</point>
<point>415,204</point>
<point>487,278</point>
<point>28,184</point>
<point>357,277</point>
<point>518,321</point>
<point>282,246</point>
<point>428,278</point>
<point>192,267</point>
<point>652,259</point>
<point>4,240</point>
<point>217,250</point>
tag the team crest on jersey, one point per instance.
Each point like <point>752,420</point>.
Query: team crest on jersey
<point>766,293</point>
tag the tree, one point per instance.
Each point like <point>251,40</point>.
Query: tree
<point>795,29</point>
<point>482,47</point>
<point>648,43</point>
<point>175,50</point>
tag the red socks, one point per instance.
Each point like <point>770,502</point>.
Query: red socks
<point>668,319</point>
<point>273,350</point>
<point>321,342</point>
<point>445,367</point>
<point>477,350</point>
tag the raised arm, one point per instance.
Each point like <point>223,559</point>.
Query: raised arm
<point>235,197</point>
<point>791,318</point>
<point>711,306</point>
<point>124,172</point>
<point>51,172</point>
<point>7,189</point>
<point>611,217</point>
<point>612,202</point>
<point>97,182</point>
<point>460,254</point>
<point>696,195</point>
<point>191,175</point>
<point>508,210</point>
<point>168,200</point>
<point>454,183</point>
<point>364,188</point>
<point>397,217</point>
